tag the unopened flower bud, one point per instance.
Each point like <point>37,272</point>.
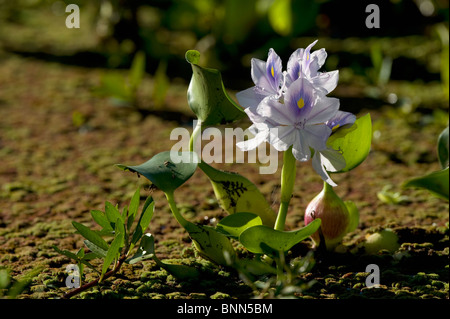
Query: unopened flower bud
<point>334,215</point>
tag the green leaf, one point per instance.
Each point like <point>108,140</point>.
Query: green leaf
<point>65,253</point>
<point>437,183</point>
<point>100,252</point>
<point>144,219</point>
<point>101,220</point>
<point>207,96</point>
<point>112,214</point>
<point>236,193</point>
<point>210,243</point>
<point>113,252</point>
<point>133,207</point>
<point>167,170</point>
<point>353,143</point>
<point>443,148</point>
<point>265,240</point>
<point>91,235</point>
<point>145,251</point>
<point>137,70</point>
<point>234,225</point>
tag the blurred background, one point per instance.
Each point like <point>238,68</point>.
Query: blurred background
<point>410,47</point>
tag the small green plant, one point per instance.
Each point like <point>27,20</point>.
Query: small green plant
<point>11,288</point>
<point>126,228</point>
<point>437,183</point>
<point>124,90</point>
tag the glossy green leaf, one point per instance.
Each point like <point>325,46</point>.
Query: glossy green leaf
<point>437,183</point>
<point>443,148</point>
<point>112,214</point>
<point>236,193</point>
<point>101,219</point>
<point>99,252</point>
<point>145,251</point>
<point>233,225</point>
<point>133,208</point>
<point>210,243</point>
<point>113,252</point>
<point>167,170</point>
<point>353,143</point>
<point>91,235</point>
<point>207,96</point>
<point>265,240</point>
<point>144,219</point>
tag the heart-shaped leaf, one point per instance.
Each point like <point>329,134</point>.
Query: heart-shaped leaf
<point>210,243</point>
<point>207,96</point>
<point>354,143</point>
<point>167,170</point>
<point>265,240</point>
<point>233,225</point>
<point>236,193</point>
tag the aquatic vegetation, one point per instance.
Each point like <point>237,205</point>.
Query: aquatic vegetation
<point>290,111</point>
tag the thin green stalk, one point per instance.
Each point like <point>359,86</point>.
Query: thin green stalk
<point>288,174</point>
<point>197,130</point>
<point>176,213</point>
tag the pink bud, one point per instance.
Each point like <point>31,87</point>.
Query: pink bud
<point>334,215</point>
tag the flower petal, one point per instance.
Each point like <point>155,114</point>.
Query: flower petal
<point>258,74</point>
<point>332,160</point>
<point>324,110</point>
<point>249,97</point>
<point>319,168</point>
<point>300,147</point>
<point>274,70</point>
<point>282,137</point>
<point>299,98</point>
<point>277,112</point>
<point>317,136</point>
<point>326,80</point>
<point>340,119</point>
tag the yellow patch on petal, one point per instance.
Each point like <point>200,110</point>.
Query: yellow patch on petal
<point>335,127</point>
<point>272,72</point>
<point>300,103</point>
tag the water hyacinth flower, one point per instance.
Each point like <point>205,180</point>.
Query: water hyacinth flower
<point>303,63</point>
<point>291,109</point>
<point>268,78</point>
<point>297,121</point>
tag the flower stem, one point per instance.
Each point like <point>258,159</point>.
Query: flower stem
<point>176,213</point>
<point>288,173</point>
<point>197,130</point>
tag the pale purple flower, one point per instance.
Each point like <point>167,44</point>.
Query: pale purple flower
<point>303,63</point>
<point>340,119</point>
<point>268,78</point>
<point>291,109</point>
<point>299,121</point>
